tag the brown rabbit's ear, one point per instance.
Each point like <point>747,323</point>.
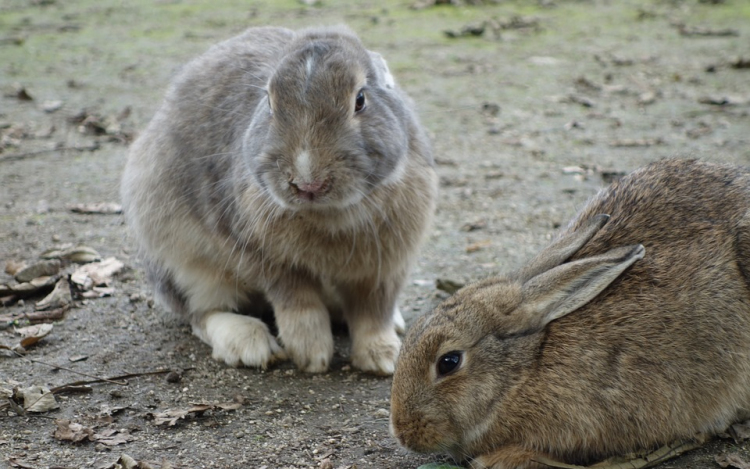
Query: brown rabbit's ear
<point>561,249</point>
<point>567,287</point>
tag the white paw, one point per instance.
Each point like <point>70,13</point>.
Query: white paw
<point>398,321</point>
<point>238,339</point>
<point>307,338</point>
<point>376,353</point>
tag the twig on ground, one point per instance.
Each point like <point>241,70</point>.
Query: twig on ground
<point>29,154</point>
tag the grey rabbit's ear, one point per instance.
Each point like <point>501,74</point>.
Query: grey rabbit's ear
<point>384,74</point>
<point>561,249</point>
<point>565,288</point>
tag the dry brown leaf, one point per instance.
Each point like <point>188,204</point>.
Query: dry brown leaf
<point>74,432</point>
<point>33,334</point>
<point>15,462</point>
<point>127,462</point>
<point>77,254</point>
<point>171,417</point>
<point>28,288</point>
<point>732,460</point>
<point>96,274</point>
<point>44,268</point>
<point>112,437</point>
<point>12,266</point>
<point>36,399</point>
<point>60,297</point>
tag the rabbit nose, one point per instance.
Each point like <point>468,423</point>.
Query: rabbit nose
<point>309,190</point>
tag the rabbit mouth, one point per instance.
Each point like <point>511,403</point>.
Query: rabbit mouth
<point>321,195</point>
<point>306,192</point>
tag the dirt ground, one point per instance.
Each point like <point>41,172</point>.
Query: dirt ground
<point>529,115</point>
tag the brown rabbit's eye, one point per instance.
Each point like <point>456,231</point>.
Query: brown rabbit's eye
<point>359,103</point>
<point>448,363</point>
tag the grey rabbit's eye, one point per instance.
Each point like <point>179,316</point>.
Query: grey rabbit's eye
<point>359,103</point>
<point>448,363</point>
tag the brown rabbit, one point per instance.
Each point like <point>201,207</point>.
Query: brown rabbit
<point>283,168</point>
<point>629,332</point>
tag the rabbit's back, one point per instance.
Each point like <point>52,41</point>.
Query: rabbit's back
<point>665,349</point>
<point>178,177</point>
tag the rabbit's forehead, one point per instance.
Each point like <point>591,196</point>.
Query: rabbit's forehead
<point>320,67</point>
<point>478,310</point>
<point>440,330</point>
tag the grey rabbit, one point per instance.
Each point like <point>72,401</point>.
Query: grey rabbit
<point>629,332</point>
<point>286,169</point>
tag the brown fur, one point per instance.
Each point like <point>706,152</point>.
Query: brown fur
<point>661,354</point>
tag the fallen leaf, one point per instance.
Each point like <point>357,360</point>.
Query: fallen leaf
<point>44,268</point>
<point>33,334</point>
<point>102,208</point>
<point>15,462</point>
<point>11,266</point>
<point>60,297</point>
<point>28,288</point>
<point>126,462</point>
<point>36,399</point>
<point>96,273</point>
<point>111,437</point>
<point>74,432</point>
<point>171,417</point>
<point>732,460</point>
<point>97,125</point>
<point>78,254</point>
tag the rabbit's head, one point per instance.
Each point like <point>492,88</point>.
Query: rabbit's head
<point>460,364</point>
<point>333,126</point>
